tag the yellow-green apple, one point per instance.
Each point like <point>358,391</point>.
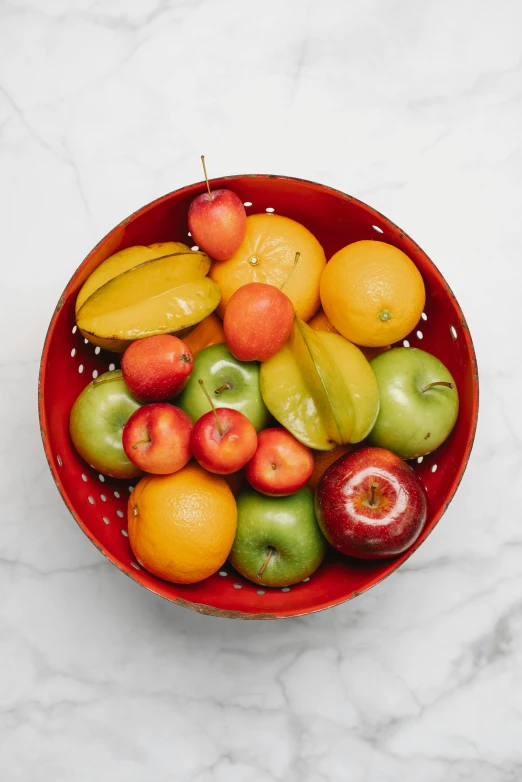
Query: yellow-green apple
<point>156,438</point>
<point>257,321</point>
<point>278,541</point>
<point>370,504</point>
<point>155,369</point>
<point>96,424</point>
<point>419,402</point>
<point>281,464</point>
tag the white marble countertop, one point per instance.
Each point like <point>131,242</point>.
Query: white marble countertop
<point>415,107</point>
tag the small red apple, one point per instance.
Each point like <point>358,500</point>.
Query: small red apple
<point>217,221</point>
<point>281,464</point>
<point>223,440</point>
<point>156,369</point>
<point>156,438</point>
<point>370,504</point>
<point>257,321</point>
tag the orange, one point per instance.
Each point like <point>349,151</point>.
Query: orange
<point>267,254</point>
<point>208,332</point>
<point>182,526</point>
<point>372,293</point>
<point>323,459</point>
<point>321,323</point>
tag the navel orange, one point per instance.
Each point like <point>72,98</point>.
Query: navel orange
<point>372,293</point>
<point>208,332</point>
<point>182,526</point>
<point>267,254</point>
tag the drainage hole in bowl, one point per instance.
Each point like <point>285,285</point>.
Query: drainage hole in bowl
<point>406,343</point>
<point>73,352</point>
<point>59,460</point>
<point>453,332</point>
<point>376,228</point>
<point>195,248</point>
<point>94,374</point>
<point>223,573</point>
<point>270,209</point>
<point>106,520</point>
<point>112,367</point>
<point>434,468</point>
<point>424,316</point>
<point>74,329</point>
<point>260,592</point>
<point>117,495</point>
<point>91,499</point>
<point>420,459</point>
<point>124,533</point>
<point>84,477</point>
<point>420,335</point>
<point>80,369</point>
<point>120,513</point>
<point>135,566</point>
<point>247,203</point>
<point>101,477</point>
<point>103,498</point>
<point>285,589</point>
<point>97,350</point>
<point>238,586</point>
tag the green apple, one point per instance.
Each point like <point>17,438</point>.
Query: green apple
<point>419,402</point>
<point>231,383</point>
<point>96,425</point>
<point>278,541</point>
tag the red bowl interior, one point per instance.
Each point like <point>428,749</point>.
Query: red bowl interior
<point>68,363</point>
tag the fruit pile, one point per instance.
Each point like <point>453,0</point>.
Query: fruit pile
<point>259,398</point>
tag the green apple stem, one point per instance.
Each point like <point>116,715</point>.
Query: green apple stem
<point>292,270</point>
<point>224,387</point>
<point>211,403</point>
<point>371,501</point>
<point>438,383</point>
<point>107,379</point>
<point>271,550</point>
<point>206,177</point>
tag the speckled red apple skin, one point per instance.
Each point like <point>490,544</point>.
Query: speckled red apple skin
<point>218,223</point>
<point>168,430</point>
<point>347,521</point>
<point>156,369</point>
<point>294,463</point>
<point>228,452</point>
<point>257,321</point>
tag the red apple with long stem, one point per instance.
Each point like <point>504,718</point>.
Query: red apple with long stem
<point>370,504</point>
<point>223,440</point>
<point>217,221</point>
<point>281,464</point>
<point>156,438</point>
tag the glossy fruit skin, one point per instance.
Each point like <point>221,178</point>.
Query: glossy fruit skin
<point>257,321</point>
<point>182,526</point>
<point>288,524</point>
<point>223,453</point>
<point>156,438</point>
<point>96,422</point>
<point>217,223</point>
<point>281,464</point>
<point>156,369</point>
<point>323,460</point>
<point>217,367</point>
<point>412,422</point>
<point>345,516</point>
<point>372,293</point>
<point>123,261</point>
<point>267,254</point>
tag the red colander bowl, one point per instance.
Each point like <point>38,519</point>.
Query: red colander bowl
<point>69,362</point>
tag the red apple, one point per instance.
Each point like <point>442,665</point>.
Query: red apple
<point>156,438</point>
<point>156,369</point>
<point>223,440</point>
<point>281,464</point>
<point>370,504</point>
<point>217,223</point>
<point>258,321</point>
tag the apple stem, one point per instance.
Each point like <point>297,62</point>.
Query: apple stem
<point>142,442</point>
<point>206,177</point>
<point>371,502</point>
<point>211,403</point>
<point>438,383</point>
<point>271,550</point>
<point>107,379</point>
<point>224,387</point>
<point>292,270</point>
<point>185,357</point>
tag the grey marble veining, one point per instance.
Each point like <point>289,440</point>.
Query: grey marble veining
<point>417,109</point>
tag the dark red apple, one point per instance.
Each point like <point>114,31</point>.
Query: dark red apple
<point>223,440</point>
<point>257,321</point>
<point>370,504</point>
<point>156,369</point>
<point>156,438</point>
<point>281,464</point>
<point>217,221</point>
